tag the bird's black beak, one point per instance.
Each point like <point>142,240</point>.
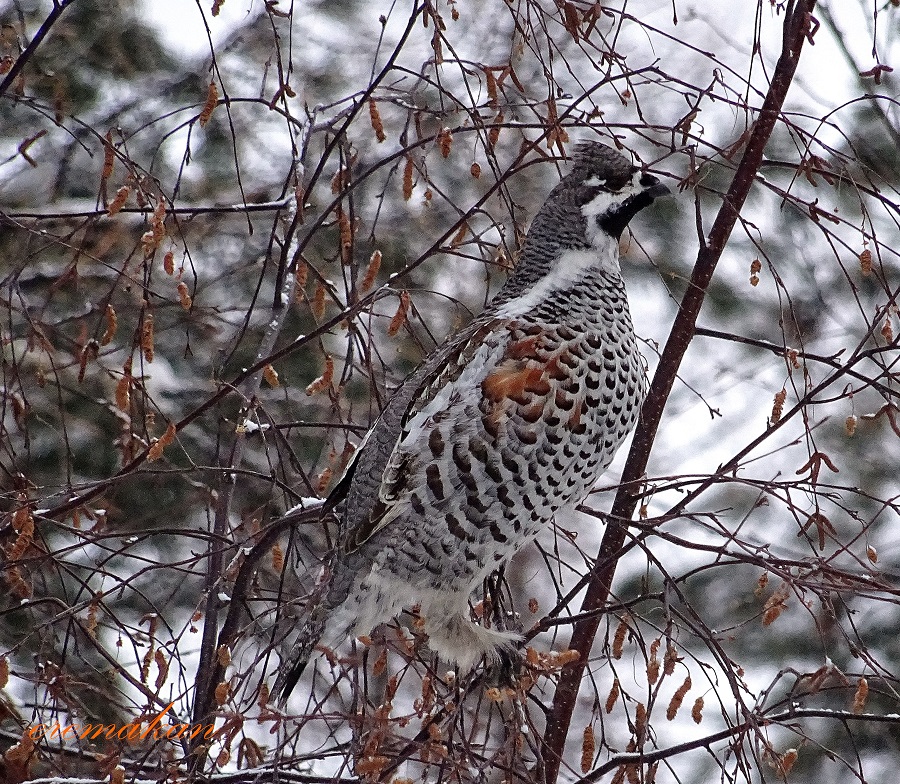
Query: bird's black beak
<point>653,187</point>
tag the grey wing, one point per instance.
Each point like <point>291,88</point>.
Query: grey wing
<point>376,478</point>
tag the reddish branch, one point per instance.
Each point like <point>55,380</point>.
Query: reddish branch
<point>796,29</point>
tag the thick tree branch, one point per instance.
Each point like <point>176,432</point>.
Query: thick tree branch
<point>796,29</point>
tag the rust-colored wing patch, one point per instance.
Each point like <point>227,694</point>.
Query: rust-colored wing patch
<point>513,379</point>
<point>526,381</point>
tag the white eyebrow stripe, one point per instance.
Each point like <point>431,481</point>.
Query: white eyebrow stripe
<point>595,181</point>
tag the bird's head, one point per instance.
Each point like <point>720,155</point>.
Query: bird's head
<point>575,234</point>
<point>587,211</point>
<point>609,190</point>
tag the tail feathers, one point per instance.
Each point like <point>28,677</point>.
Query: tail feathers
<point>292,668</point>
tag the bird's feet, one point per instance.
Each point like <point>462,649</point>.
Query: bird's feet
<point>458,640</point>
<point>506,668</point>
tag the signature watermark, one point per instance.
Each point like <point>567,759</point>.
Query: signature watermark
<point>133,731</point>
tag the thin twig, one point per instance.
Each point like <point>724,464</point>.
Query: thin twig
<point>26,55</point>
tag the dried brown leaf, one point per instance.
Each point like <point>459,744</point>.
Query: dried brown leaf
<point>371,272</point>
<point>399,318</point>
<point>212,99</point>
<point>375,119</point>
<point>588,748</point>
<point>156,449</point>
<point>323,381</point>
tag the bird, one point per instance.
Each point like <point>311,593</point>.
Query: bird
<point>513,417</point>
